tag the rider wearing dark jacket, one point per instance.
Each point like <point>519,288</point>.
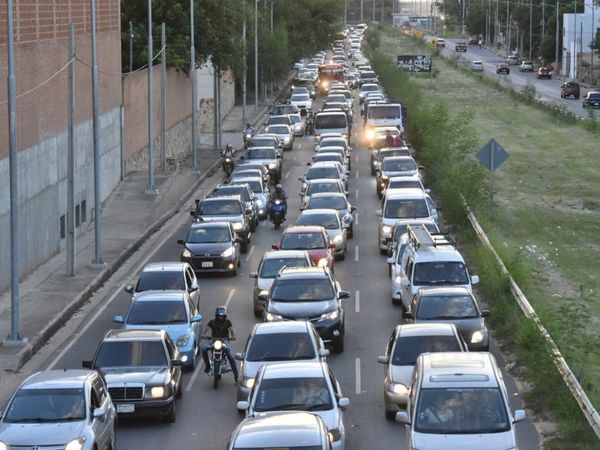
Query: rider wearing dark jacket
<point>280,194</point>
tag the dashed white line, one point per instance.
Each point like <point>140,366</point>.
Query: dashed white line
<point>356,193</point>
<point>199,368</point>
<point>356,158</point>
<point>287,174</point>
<point>357,374</point>
<point>357,174</point>
<point>356,219</point>
<point>229,297</point>
<point>356,253</point>
<point>249,255</point>
<point>357,302</point>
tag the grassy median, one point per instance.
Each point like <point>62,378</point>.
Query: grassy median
<point>543,220</point>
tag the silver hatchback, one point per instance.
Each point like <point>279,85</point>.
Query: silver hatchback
<point>67,409</point>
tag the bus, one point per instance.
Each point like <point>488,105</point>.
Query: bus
<point>327,74</point>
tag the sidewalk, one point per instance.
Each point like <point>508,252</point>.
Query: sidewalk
<point>49,298</point>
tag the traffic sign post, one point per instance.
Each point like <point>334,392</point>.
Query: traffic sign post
<point>492,156</point>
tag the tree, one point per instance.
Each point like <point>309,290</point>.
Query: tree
<point>595,44</point>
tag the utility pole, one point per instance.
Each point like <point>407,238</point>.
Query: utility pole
<point>557,34</point>
<point>362,8</point>
<point>256,55</point>
<point>131,35</point>
<point>272,82</point>
<point>496,26</point>
<point>462,28</point>
<point>194,88</point>
<point>489,22</point>
<point>507,35</point>
<point>71,158</point>
<point>530,27</point>
<point>163,98</point>
<point>381,11</point>
<point>543,21</point>
<point>345,12</point>
<point>151,188</point>
<point>574,39</point>
<point>593,40</point>
<point>14,338</point>
<point>373,10</point>
<point>245,67</point>
<point>97,263</point>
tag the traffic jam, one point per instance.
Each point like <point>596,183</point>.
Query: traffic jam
<point>291,347</point>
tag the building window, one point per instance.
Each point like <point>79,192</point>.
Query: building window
<point>63,227</point>
<point>76,216</point>
<point>83,212</point>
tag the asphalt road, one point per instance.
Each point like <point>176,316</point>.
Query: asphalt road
<point>206,417</point>
<point>547,90</point>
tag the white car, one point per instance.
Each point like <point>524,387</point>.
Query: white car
<point>477,66</point>
<point>298,124</point>
<point>300,386</point>
<point>302,101</point>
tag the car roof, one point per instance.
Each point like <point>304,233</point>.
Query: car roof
<point>324,164</point>
<point>306,369</point>
<point>328,194</point>
<point>399,158</point>
<point>197,225</point>
<point>222,197</point>
<point>304,229</point>
<point>287,326</point>
<point>280,430</point>
<point>278,254</point>
<point>458,369</point>
<point>134,335</point>
<point>410,193</point>
<point>244,179</point>
<point>171,266</point>
<point>57,379</point>
<point>309,273</point>
<point>160,296</point>
<point>312,212</point>
<point>426,329</point>
<point>445,290</point>
<point>331,112</point>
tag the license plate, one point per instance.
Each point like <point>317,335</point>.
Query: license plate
<point>125,407</point>
<point>207,264</point>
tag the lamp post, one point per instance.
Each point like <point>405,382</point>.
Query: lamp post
<point>255,55</point>
<point>194,89</point>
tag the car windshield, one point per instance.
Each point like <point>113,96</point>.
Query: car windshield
<point>338,203</point>
<point>440,272</point>
<point>208,235</point>
<point>280,347</point>
<point>278,129</point>
<point>271,266</point>
<point>332,143</point>
<point>329,221</point>
<point>399,165</point>
<point>461,411</point>
<point>163,280</point>
<point>256,186</point>
<point>224,191</point>
<point>384,112</point>
<point>364,75</point>
<point>131,354</point>
<point>404,184</point>
<point>406,209</point>
<point>369,88</point>
<point>408,348</point>
<point>46,405</point>
<point>157,313</point>
<point>302,290</point>
<point>335,157</point>
<point>337,98</point>
<point>314,173</point>
<point>388,153</point>
<point>299,98</point>
<point>314,188</point>
<point>594,96</point>
<point>302,241</point>
<point>278,120</point>
<point>446,307</point>
<point>263,153</point>
<point>296,394</point>
<point>324,121</point>
<point>221,207</point>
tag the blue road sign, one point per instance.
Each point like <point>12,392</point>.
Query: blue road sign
<point>492,155</point>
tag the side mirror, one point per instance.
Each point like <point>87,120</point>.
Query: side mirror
<point>86,364</point>
<point>332,246</point>
<point>428,191</point>
<point>193,213</point>
<point>238,240</point>
<point>197,318</point>
<point>382,359</point>
<point>308,164</point>
<point>253,274</point>
<point>180,241</point>
<point>242,405</point>
<point>352,208</point>
<point>323,352</point>
<point>520,416</point>
<point>404,282</point>
<point>301,179</point>
<point>177,362</point>
<point>402,417</point>
<point>118,319</point>
<point>129,289</point>
<point>390,260</point>
<point>474,279</point>
<point>263,295</point>
<point>344,402</point>
<point>99,413</point>
<point>194,287</point>
<point>275,247</point>
<point>407,315</point>
<point>485,313</point>
<point>343,295</point>
<point>239,356</point>
<point>197,201</point>
<point>379,212</point>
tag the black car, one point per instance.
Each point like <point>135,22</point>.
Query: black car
<point>245,193</point>
<point>212,247</point>
<point>591,100</point>
<point>460,46</point>
<point>310,294</point>
<point>503,68</point>
<point>142,369</point>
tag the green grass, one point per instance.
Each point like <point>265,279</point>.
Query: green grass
<point>544,224</point>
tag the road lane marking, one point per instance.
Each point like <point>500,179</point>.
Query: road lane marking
<point>357,174</point>
<point>357,374</point>
<point>229,297</point>
<point>287,175</point>
<point>356,253</point>
<point>294,158</point>
<point>249,255</point>
<point>356,219</point>
<point>356,158</point>
<point>357,302</point>
<point>356,193</point>
<point>199,369</point>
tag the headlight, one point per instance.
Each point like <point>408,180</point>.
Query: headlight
<point>260,202</point>
<point>330,315</point>
<point>272,317</point>
<point>370,134</point>
<point>248,136</point>
<point>338,239</point>
<point>186,254</point>
<point>334,435</point>
<point>3,446</point>
<point>155,391</point>
<point>384,177</point>
<point>272,165</point>
<point>386,229</point>
<point>75,444</point>
<point>248,382</point>
<point>183,341</point>
<point>322,262</point>
<point>286,140</point>
<point>237,226</point>
<point>375,163</point>
<point>228,252</point>
<point>477,337</point>
<point>398,388</point>
<point>217,345</point>
<point>398,279</point>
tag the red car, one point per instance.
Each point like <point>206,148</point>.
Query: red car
<point>544,72</point>
<point>313,239</point>
<point>503,68</point>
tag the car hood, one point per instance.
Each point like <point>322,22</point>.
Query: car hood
<point>466,327</point>
<point>401,374</point>
<point>301,310</point>
<point>264,161</point>
<point>208,249</point>
<point>492,441</point>
<point>174,331</point>
<point>40,434</point>
<point>264,284</point>
<point>331,418</point>
<point>333,232</point>
<point>116,376</point>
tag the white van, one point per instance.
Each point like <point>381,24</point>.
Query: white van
<point>331,122</point>
<point>384,115</point>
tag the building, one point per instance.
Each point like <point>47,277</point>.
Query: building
<point>578,32</point>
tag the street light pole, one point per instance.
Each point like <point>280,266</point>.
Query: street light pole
<point>557,29</point>
<point>131,46</point>
<point>255,55</point>
<point>530,27</point>
<point>151,188</point>
<point>245,66</point>
<point>194,88</point>
<point>574,39</point>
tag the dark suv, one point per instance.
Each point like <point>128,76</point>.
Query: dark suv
<point>245,193</point>
<point>310,294</point>
<point>591,100</point>
<point>569,89</point>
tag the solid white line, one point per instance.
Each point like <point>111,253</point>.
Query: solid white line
<point>356,253</point>
<point>357,302</point>
<point>199,369</point>
<point>229,297</point>
<point>356,194</point>
<point>357,374</point>
<point>249,255</point>
<point>357,174</point>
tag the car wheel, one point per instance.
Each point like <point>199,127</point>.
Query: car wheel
<point>351,232</point>
<point>390,415</point>
<point>191,367</point>
<point>396,301</point>
<point>171,414</point>
<point>179,392</point>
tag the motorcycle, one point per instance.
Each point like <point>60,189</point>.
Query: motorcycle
<point>277,212</point>
<point>228,165</point>
<point>249,132</point>
<point>310,123</point>
<point>218,359</point>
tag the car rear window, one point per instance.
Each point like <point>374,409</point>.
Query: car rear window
<point>328,221</point>
<point>324,121</point>
<point>157,313</point>
<point>163,280</point>
<point>131,354</point>
<point>408,348</point>
<point>302,241</point>
<point>280,347</point>
<point>384,112</point>
<point>314,188</point>
<point>271,266</point>
<point>406,209</point>
<point>263,153</point>
<point>315,173</point>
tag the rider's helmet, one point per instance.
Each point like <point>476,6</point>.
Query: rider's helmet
<point>278,188</point>
<point>248,125</point>
<point>221,313</point>
<point>228,147</point>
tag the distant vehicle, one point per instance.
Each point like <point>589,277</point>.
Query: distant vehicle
<point>513,60</point>
<point>591,100</point>
<point>570,89</point>
<point>440,42</point>
<point>503,68</point>
<point>477,66</point>
<point>460,46</point>
<point>526,66</point>
<point>544,72</point>
<point>327,74</point>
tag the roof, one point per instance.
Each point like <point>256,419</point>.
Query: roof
<point>280,430</point>
<point>324,180</point>
<point>278,254</point>
<point>131,335</point>
<point>307,369</point>
<point>328,194</point>
<point>455,369</point>
<point>197,225</point>
<point>410,193</point>
<point>304,229</point>
<point>426,329</point>
<point>446,290</point>
<point>160,296</point>
<point>164,266</point>
<point>221,197</point>
<point>57,379</point>
<point>302,272</point>
<point>330,113</point>
<point>315,211</point>
<point>287,326</point>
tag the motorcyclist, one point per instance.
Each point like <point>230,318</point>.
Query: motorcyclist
<point>220,327</point>
<point>229,152</point>
<point>399,139</point>
<point>248,133</point>
<point>280,194</point>
<point>389,139</point>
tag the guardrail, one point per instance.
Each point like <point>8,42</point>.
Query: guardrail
<point>568,377</point>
